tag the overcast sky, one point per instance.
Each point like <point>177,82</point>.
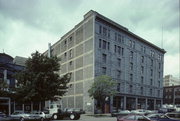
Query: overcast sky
<point>29,25</point>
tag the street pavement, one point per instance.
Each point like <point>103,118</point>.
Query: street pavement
<point>85,117</point>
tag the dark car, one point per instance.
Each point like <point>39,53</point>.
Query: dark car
<point>78,110</point>
<point>2,114</point>
<point>66,114</point>
<point>173,115</point>
<point>160,117</point>
<point>165,110</point>
<point>3,117</point>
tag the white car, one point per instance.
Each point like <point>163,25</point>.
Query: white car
<point>138,111</point>
<point>38,115</point>
<point>20,116</point>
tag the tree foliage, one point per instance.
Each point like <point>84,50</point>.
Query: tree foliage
<point>40,80</point>
<point>102,87</point>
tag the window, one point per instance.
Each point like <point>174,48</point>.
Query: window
<point>130,88</point>
<point>65,42</point>
<point>70,53</point>
<point>70,39</point>
<point>100,29</point>
<point>151,62</point>
<point>151,82</point>
<point>104,44</point>
<point>150,92</point>
<point>119,50</point>
<point>142,79</point>
<point>65,55</point>
<point>159,57</point>
<point>130,43</point>
<point>122,39</point>
<point>104,31</point>
<point>109,33</point>
<point>142,59</point>
<point>142,69</point>
<point>104,58</point>
<point>159,75</point>
<point>119,38</point>
<point>70,63</point>
<point>114,48</point>
<point>159,84</point>
<point>104,70</point>
<point>133,44</point>
<point>152,53</point>
<point>143,49</point>
<point>131,66</point>
<point>151,72</point>
<point>118,74</point>
<point>159,65</point>
<point>118,87</point>
<point>100,43</point>
<point>108,45</point>
<point>131,77</point>
<point>115,36</point>
<point>158,93</point>
<point>131,55</point>
<point>122,51</point>
<point>119,62</point>
<point>141,90</point>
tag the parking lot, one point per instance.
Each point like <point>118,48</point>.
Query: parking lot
<point>86,117</point>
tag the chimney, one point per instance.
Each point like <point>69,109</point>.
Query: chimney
<point>49,50</point>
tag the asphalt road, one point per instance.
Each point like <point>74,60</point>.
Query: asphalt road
<point>92,118</point>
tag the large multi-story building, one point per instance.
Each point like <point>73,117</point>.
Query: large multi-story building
<point>169,80</point>
<point>98,46</point>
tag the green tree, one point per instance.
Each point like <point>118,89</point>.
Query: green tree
<point>40,81</point>
<point>102,88</point>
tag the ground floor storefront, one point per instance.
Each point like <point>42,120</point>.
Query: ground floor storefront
<point>8,106</point>
<point>135,102</point>
<point>5,105</point>
<point>128,102</point>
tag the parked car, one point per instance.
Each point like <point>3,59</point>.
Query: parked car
<point>173,115</point>
<point>66,114</point>
<point>133,117</point>
<point>166,110</point>
<point>120,113</point>
<point>78,110</point>
<point>3,117</point>
<point>160,117</point>
<point>138,111</point>
<point>20,116</point>
<point>2,114</point>
<point>38,115</point>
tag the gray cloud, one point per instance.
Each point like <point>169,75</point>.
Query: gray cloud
<point>28,25</point>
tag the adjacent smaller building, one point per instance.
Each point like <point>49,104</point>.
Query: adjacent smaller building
<point>8,67</point>
<point>171,95</point>
<point>169,80</point>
